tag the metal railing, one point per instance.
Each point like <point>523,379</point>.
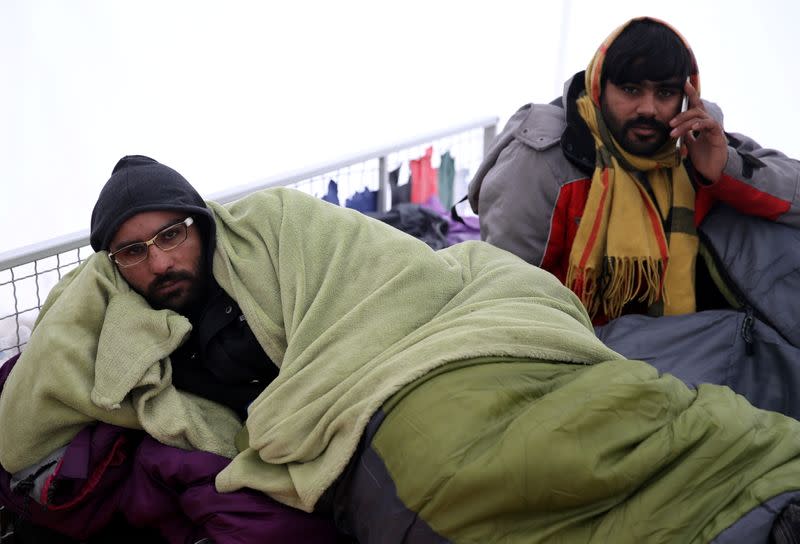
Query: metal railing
<point>28,274</point>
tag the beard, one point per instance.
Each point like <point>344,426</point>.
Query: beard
<point>177,290</point>
<point>629,141</point>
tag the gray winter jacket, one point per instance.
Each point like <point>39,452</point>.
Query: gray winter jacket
<point>528,195</point>
<point>537,164</point>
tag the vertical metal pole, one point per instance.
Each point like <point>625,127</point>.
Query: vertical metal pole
<point>384,190</point>
<point>16,310</point>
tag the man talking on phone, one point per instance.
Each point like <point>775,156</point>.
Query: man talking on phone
<point>605,186</point>
<point>629,190</point>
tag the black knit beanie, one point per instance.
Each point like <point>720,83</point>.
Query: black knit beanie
<point>140,184</point>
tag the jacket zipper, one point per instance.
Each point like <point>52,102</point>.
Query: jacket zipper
<point>751,313</point>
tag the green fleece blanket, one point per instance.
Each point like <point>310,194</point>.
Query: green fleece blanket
<point>349,308</point>
<point>98,352</point>
<point>352,310</point>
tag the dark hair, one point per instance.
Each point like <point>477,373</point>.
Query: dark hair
<point>646,50</point>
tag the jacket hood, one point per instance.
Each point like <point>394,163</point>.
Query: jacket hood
<point>141,184</point>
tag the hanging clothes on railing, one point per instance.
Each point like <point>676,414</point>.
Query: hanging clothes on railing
<point>421,206</point>
<point>420,222</point>
<point>332,195</point>
<point>364,201</point>
<point>445,178</point>
<point>423,178</point>
<point>400,193</point>
<point>459,229</point>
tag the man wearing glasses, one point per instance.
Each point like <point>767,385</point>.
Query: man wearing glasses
<point>173,289</point>
<point>160,235</point>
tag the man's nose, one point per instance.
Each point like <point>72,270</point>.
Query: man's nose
<point>646,107</point>
<point>159,260</point>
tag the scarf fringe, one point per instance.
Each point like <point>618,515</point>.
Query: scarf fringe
<point>621,281</point>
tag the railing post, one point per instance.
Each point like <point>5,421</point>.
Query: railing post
<point>384,190</point>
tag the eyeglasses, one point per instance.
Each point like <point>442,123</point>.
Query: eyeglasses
<point>165,240</point>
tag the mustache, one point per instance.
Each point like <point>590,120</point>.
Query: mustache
<point>647,122</point>
<point>169,277</point>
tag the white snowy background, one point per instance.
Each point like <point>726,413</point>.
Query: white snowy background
<point>232,92</point>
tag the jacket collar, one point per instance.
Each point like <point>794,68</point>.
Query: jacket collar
<point>576,140</point>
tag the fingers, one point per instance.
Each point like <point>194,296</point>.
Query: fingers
<point>695,118</point>
<point>692,95</point>
<point>695,106</point>
<point>692,124</point>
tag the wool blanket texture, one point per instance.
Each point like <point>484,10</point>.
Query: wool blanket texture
<point>349,308</point>
<point>352,310</point>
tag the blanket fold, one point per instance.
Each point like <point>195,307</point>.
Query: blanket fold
<point>348,307</point>
<point>100,353</point>
<point>352,310</point>
<point>539,452</point>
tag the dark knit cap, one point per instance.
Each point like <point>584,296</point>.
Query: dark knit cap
<point>141,184</point>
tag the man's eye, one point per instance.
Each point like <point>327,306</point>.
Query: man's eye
<point>628,89</point>
<point>132,251</point>
<point>169,234</point>
<point>667,93</point>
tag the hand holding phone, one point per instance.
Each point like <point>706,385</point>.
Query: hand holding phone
<point>703,136</point>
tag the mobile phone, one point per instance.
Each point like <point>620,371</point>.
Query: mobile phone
<point>684,107</point>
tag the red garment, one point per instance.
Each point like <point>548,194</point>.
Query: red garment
<point>423,179</point>
<point>572,200</point>
<point>572,197</point>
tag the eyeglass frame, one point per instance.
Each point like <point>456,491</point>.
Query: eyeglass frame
<point>188,222</point>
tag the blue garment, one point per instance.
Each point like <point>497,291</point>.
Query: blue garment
<point>332,195</point>
<point>364,201</point>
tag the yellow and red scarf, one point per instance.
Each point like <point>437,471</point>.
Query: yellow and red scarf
<point>634,242</point>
